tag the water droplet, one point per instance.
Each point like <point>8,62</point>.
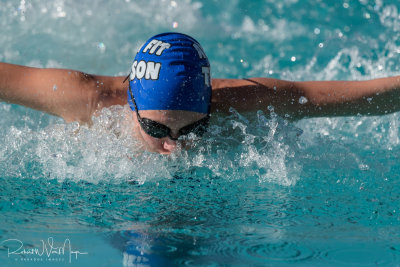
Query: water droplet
<point>303,100</point>
<point>317,31</point>
<point>320,45</point>
<point>293,59</point>
<point>102,47</point>
<point>55,87</point>
<point>175,25</point>
<point>363,167</point>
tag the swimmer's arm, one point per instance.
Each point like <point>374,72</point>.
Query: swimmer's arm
<point>72,95</point>
<point>297,100</point>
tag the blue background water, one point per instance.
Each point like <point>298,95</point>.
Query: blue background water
<point>257,190</point>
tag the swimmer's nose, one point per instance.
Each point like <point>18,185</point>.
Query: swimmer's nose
<point>169,145</point>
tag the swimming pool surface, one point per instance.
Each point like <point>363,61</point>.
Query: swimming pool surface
<point>257,190</point>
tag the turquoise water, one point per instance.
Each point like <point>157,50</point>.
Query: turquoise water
<point>257,190</point>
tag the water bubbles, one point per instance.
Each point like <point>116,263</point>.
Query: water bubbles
<point>293,59</point>
<point>270,107</point>
<point>55,87</point>
<point>234,148</point>
<point>248,25</point>
<point>174,4</point>
<point>244,63</point>
<point>101,46</point>
<point>317,31</point>
<point>60,13</point>
<point>363,167</point>
<point>175,25</point>
<point>22,9</point>
<point>57,155</point>
<point>321,45</point>
<point>303,100</point>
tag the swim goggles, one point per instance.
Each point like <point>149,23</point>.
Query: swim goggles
<point>159,130</point>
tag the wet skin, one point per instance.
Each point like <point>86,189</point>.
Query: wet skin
<point>79,96</point>
<point>174,119</point>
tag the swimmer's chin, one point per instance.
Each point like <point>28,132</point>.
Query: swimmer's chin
<point>163,152</point>
<point>181,146</point>
<point>169,152</point>
<point>177,151</point>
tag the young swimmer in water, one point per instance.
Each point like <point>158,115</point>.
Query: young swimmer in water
<point>169,92</point>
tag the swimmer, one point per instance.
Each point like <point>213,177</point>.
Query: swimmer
<point>171,93</point>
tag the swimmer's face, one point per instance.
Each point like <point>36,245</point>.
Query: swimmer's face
<point>173,119</point>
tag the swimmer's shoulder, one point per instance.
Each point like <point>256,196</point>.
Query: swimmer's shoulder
<point>227,92</point>
<point>86,94</point>
<point>245,94</point>
<point>109,91</point>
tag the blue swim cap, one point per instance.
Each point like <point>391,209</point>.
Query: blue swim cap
<point>171,72</point>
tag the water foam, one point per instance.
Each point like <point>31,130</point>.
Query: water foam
<point>235,148</point>
<point>258,42</point>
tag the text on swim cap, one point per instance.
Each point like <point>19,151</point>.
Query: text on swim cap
<point>154,45</point>
<point>149,70</point>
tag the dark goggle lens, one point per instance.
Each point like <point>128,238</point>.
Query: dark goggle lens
<point>154,128</point>
<point>198,128</point>
<point>159,130</point>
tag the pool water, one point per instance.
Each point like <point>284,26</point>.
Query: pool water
<point>256,190</point>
